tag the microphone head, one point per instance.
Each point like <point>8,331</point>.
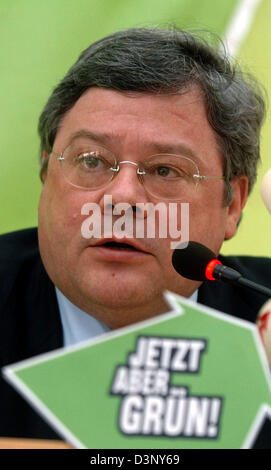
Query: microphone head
<point>190,260</point>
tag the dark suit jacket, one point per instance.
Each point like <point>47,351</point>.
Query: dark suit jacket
<point>31,325</point>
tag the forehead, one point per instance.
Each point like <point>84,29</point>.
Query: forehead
<point>140,119</point>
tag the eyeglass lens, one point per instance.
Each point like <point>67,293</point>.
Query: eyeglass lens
<point>164,175</point>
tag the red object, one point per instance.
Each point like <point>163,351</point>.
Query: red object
<point>210,269</point>
<point>263,322</point>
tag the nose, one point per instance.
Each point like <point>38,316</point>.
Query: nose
<point>126,186</point>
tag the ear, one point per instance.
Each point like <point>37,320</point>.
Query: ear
<point>240,191</point>
<point>44,164</point>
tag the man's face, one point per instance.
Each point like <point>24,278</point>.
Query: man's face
<point>121,286</point>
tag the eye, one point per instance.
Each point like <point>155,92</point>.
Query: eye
<point>91,161</point>
<point>166,171</point>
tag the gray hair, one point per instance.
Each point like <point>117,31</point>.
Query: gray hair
<point>169,61</point>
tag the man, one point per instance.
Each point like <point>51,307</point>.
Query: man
<point>144,116</point>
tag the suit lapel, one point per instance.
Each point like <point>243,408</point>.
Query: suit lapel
<point>44,323</point>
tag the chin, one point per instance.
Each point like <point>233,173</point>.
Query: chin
<point>128,296</point>
<point>119,297</point>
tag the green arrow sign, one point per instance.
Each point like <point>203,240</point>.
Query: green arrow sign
<point>192,378</point>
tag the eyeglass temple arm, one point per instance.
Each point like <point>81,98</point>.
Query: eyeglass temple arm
<point>209,177</point>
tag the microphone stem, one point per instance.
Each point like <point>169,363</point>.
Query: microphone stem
<point>234,277</point>
<point>254,286</point>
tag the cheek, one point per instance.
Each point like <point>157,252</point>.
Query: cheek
<point>208,222</point>
<point>60,216</point>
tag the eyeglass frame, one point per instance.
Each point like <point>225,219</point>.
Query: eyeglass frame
<point>141,173</point>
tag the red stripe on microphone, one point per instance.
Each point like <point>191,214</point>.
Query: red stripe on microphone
<point>210,269</point>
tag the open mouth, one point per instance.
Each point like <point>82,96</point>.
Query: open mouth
<point>118,246</point>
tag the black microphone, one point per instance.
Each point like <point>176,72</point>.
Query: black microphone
<point>197,262</point>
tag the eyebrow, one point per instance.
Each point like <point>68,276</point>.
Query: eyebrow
<point>100,137</point>
<point>105,138</point>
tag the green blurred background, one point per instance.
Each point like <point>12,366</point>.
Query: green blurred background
<point>41,39</point>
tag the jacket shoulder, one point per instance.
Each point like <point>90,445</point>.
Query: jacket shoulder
<point>18,250</point>
<point>17,246</point>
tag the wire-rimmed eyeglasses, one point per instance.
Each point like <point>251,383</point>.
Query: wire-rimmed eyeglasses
<point>166,176</point>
